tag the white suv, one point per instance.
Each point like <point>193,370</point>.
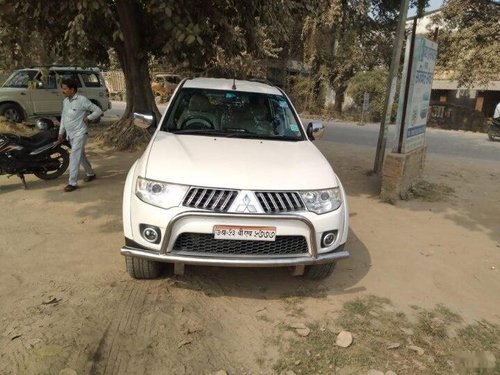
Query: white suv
<point>231,178</point>
<point>36,91</point>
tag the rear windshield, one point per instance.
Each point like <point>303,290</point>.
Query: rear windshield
<point>90,79</point>
<point>233,114</point>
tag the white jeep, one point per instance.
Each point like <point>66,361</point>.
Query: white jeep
<point>36,91</point>
<point>231,178</point>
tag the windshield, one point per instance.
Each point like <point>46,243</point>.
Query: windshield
<point>20,79</point>
<point>233,114</point>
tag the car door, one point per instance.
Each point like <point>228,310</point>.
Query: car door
<point>17,89</point>
<point>45,95</point>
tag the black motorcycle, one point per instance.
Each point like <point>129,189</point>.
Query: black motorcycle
<point>40,154</point>
<point>494,129</point>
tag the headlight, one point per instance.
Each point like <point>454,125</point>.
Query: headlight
<point>322,201</point>
<point>159,193</point>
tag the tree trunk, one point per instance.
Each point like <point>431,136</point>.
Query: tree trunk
<point>339,98</point>
<point>315,102</point>
<point>123,135</point>
<point>134,61</point>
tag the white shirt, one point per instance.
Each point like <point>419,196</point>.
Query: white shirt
<point>75,109</point>
<point>497,111</point>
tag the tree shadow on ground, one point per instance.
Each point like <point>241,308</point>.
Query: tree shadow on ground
<point>278,283</point>
<point>473,204</point>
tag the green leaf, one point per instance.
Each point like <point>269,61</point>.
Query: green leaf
<point>200,41</point>
<point>168,12</point>
<point>181,37</point>
<point>190,39</point>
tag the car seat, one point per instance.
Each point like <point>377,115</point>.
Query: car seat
<point>199,114</point>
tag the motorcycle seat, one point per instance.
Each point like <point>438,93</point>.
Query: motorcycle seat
<point>38,140</point>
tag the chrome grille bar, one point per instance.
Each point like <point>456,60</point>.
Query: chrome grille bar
<point>209,199</point>
<point>193,194</point>
<point>282,201</point>
<point>221,193</point>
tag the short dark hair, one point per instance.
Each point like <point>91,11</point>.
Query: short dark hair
<point>70,82</point>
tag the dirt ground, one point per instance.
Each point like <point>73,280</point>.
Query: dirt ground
<point>69,307</point>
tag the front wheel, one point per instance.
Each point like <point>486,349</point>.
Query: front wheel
<point>140,268</point>
<point>12,112</point>
<point>55,164</point>
<point>319,271</point>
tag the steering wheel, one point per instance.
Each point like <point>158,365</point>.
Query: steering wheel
<point>197,122</point>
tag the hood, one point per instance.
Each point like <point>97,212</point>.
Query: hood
<point>250,164</point>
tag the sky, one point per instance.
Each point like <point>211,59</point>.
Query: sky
<point>433,5</point>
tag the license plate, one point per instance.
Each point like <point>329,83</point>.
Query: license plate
<point>236,232</point>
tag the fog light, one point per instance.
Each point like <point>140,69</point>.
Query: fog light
<point>150,233</point>
<point>328,238</point>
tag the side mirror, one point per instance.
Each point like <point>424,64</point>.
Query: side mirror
<point>145,121</point>
<point>315,130</point>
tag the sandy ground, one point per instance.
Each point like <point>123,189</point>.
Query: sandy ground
<point>68,306</point>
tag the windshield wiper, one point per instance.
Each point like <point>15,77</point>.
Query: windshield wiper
<point>198,131</point>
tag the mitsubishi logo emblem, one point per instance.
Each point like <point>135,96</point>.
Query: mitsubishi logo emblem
<point>246,206</point>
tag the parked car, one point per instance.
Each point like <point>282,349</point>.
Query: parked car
<point>164,84</point>
<point>36,91</point>
<point>231,178</point>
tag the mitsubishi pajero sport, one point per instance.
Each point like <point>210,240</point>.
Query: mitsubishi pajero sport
<point>231,178</point>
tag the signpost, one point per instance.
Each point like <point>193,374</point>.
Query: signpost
<point>365,105</point>
<point>416,84</point>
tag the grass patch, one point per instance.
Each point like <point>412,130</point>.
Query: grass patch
<point>293,308</point>
<point>425,344</point>
<point>428,191</point>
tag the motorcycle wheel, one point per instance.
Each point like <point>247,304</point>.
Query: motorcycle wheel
<point>62,156</point>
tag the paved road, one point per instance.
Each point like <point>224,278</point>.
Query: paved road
<point>445,142</point>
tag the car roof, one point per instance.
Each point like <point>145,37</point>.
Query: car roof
<point>65,68</point>
<point>227,84</point>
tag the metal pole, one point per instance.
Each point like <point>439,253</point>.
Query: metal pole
<point>391,87</point>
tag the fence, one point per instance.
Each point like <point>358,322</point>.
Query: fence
<point>115,82</point>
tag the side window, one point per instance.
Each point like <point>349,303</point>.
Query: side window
<point>46,80</point>
<point>72,75</point>
<point>173,79</point>
<point>52,81</point>
<point>90,79</point>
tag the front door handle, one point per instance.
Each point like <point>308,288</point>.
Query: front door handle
<point>23,93</point>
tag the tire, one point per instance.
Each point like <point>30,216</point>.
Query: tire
<point>63,157</point>
<point>319,271</point>
<point>12,112</point>
<point>139,268</point>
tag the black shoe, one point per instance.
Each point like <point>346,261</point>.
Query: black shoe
<point>89,178</point>
<point>69,188</point>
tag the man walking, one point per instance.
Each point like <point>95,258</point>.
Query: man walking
<point>77,112</point>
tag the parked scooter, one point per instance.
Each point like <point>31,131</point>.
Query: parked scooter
<point>494,129</point>
<point>40,154</point>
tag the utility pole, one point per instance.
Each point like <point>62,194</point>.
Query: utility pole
<point>391,87</point>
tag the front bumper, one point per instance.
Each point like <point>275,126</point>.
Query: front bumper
<point>236,262</point>
<point>165,253</point>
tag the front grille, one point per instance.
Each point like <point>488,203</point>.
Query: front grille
<point>279,201</point>
<point>205,244</point>
<point>210,199</point>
